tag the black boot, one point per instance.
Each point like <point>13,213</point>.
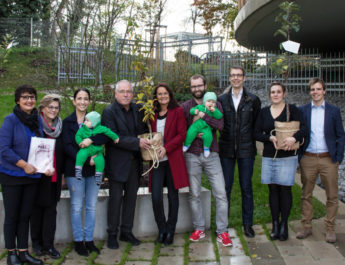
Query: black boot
<point>25,257</point>
<point>12,258</point>
<point>161,238</point>
<point>169,239</point>
<point>275,230</point>
<point>90,246</point>
<point>80,248</point>
<point>284,231</point>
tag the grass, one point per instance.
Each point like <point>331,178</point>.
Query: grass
<point>262,213</point>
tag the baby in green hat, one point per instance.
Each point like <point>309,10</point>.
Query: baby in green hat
<point>90,127</point>
<point>200,126</point>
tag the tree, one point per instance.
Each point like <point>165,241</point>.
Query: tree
<point>216,12</point>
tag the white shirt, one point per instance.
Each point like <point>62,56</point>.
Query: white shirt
<point>237,99</point>
<point>317,142</point>
<point>160,128</point>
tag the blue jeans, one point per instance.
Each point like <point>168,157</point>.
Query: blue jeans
<point>245,170</point>
<point>82,190</point>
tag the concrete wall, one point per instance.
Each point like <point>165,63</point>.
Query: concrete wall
<point>144,223</point>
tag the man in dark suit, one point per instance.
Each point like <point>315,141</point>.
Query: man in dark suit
<point>322,152</point>
<point>123,162</point>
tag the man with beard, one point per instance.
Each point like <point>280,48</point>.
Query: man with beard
<point>196,163</point>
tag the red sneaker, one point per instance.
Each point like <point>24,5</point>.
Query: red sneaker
<point>224,239</point>
<point>197,234</point>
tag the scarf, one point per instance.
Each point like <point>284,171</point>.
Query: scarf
<point>29,120</point>
<point>53,130</point>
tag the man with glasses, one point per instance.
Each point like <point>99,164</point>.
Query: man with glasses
<point>123,162</point>
<point>237,143</point>
<point>196,163</point>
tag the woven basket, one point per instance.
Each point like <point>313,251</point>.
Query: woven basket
<point>286,129</point>
<point>150,154</point>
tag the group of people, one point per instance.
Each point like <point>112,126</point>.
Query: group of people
<point>190,147</point>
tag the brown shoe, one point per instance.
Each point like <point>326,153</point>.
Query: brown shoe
<point>330,237</point>
<point>304,233</point>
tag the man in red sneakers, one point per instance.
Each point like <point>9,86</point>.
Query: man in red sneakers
<point>196,162</point>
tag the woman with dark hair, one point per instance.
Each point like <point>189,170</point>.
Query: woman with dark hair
<point>279,166</point>
<point>172,171</point>
<point>43,218</point>
<point>84,190</point>
<point>18,178</point>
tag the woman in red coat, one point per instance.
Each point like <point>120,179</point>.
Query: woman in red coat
<point>172,171</point>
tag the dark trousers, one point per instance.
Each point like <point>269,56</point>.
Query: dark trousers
<point>245,172</point>
<point>43,221</point>
<point>159,176</point>
<point>125,194</point>
<point>18,203</point>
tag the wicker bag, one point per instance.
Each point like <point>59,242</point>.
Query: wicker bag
<point>151,154</point>
<point>285,129</point>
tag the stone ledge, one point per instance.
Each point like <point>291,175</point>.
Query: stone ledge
<point>144,222</point>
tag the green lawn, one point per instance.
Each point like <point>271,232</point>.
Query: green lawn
<point>262,213</point>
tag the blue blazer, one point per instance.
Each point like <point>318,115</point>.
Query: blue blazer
<point>14,146</point>
<point>333,129</point>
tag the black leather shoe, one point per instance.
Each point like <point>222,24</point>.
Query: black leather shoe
<point>169,239</point>
<point>275,230</point>
<point>130,238</point>
<point>284,231</point>
<point>161,238</point>
<point>112,242</point>
<point>38,250</point>
<point>80,248</point>
<point>12,258</point>
<point>90,246</point>
<point>53,253</point>
<point>25,257</point>
<point>248,231</point>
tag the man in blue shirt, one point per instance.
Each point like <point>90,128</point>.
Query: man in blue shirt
<point>322,153</point>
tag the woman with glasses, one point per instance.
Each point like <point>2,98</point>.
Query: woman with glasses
<point>43,218</point>
<point>18,178</point>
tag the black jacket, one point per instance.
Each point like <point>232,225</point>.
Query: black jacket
<point>69,129</point>
<point>119,157</point>
<point>237,137</point>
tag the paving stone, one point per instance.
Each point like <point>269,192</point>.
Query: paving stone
<point>232,232</point>
<point>293,250</point>
<point>179,240</point>
<point>340,244</point>
<point>3,261</point>
<point>331,261</point>
<point>235,250</point>
<point>138,263</point>
<point>201,251</point>
<point>172,251</point>
<point>299,260</point>
<point>264,252</point>
<point>148,238</point>
<point>170,260</point>
<point>72,258</point>
<point>237,260</point>
<point>143,251</point>
<point>259,230</point>
<point>111,256</point>
<point>292,241</point>
<point>321,249</point>
<point>203,263</point>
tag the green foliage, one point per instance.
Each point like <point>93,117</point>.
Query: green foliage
<point>288,19</point>
<point>5,50</point>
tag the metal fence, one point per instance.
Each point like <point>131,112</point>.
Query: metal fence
<point>79,65</point>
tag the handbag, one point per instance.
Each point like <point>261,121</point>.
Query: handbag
<point>284,129</point>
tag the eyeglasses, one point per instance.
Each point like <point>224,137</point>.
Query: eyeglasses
<point>125,91</point>
<point>51,108</point>
<point>26,98</point>
<point>236,75</point>
<point>197,86</point>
